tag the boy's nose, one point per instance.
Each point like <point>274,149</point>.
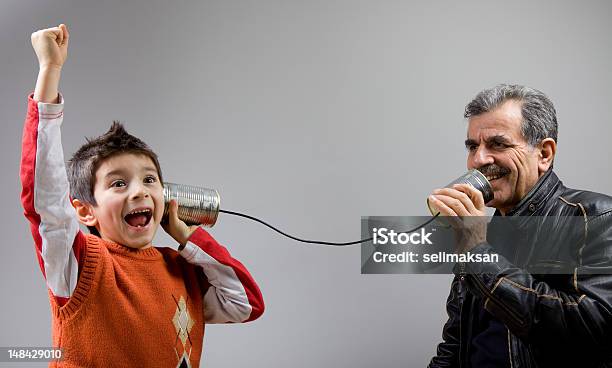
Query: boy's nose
<point>140,191</point>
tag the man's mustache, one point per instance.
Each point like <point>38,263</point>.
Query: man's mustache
<point>493,170</point>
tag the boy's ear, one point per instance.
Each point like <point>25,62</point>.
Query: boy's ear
<point>85,213</point>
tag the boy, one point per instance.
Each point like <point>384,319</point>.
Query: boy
<point>116,300</point>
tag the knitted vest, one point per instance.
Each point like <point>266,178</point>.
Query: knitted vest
<point>131,308</point>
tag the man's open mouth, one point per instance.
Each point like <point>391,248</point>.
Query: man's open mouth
<point>139,217</point>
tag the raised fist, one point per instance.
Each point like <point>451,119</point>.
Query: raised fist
<point>51,46</point>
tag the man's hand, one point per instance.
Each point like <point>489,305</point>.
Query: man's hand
<point>176,228</point>
<point>465,207</point>
<point>51,47</point>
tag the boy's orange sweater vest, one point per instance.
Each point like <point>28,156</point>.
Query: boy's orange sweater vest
<point>134,308</point>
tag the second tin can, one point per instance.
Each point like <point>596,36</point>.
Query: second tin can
<point>474,178</point>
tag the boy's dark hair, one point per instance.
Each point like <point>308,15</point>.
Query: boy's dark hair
<point>84,163</point>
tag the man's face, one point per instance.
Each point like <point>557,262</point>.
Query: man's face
<point>130,201</point>
<point>497,148</point>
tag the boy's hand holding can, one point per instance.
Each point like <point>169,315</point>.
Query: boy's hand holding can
<point>175,227</point>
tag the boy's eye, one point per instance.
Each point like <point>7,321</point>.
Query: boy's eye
<point>117,184</point>
<point>150,179</point>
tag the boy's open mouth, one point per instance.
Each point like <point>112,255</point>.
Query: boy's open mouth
<point>139,217</point>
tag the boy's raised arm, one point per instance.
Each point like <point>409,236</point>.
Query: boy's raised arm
<point>45,191</point>
<point>51,47</point>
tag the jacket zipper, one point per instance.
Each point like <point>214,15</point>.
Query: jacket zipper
<point>461,286</point>
<point>509,349</point>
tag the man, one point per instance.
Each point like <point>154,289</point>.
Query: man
<point>522,311</point>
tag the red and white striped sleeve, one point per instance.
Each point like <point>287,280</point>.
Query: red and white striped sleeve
<point>233,295</point>
<point>45,196</point>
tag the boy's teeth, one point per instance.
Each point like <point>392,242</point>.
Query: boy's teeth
<point>140,211</point>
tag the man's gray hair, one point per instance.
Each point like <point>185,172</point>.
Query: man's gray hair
<point>539,115</point>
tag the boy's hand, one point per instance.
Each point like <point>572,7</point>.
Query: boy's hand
<point>51,46</point>
<point>176,228</point>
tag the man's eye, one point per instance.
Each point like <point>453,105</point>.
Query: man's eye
<point>118,184</point>
<point>471,147</point>
<point>150,179</point>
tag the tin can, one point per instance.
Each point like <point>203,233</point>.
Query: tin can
<point>196,205</point>
<point>474,178</point>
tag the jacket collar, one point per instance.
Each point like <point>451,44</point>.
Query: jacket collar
<point>536,198</point>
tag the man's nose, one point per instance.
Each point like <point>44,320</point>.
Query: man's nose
<point>482,156</point>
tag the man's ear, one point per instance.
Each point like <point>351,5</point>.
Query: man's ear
<point>548,149</point>
<point>85,213</point>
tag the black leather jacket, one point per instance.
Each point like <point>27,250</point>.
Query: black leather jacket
<point>553,319</point>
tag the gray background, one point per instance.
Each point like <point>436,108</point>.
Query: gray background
<point>308,114</point>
